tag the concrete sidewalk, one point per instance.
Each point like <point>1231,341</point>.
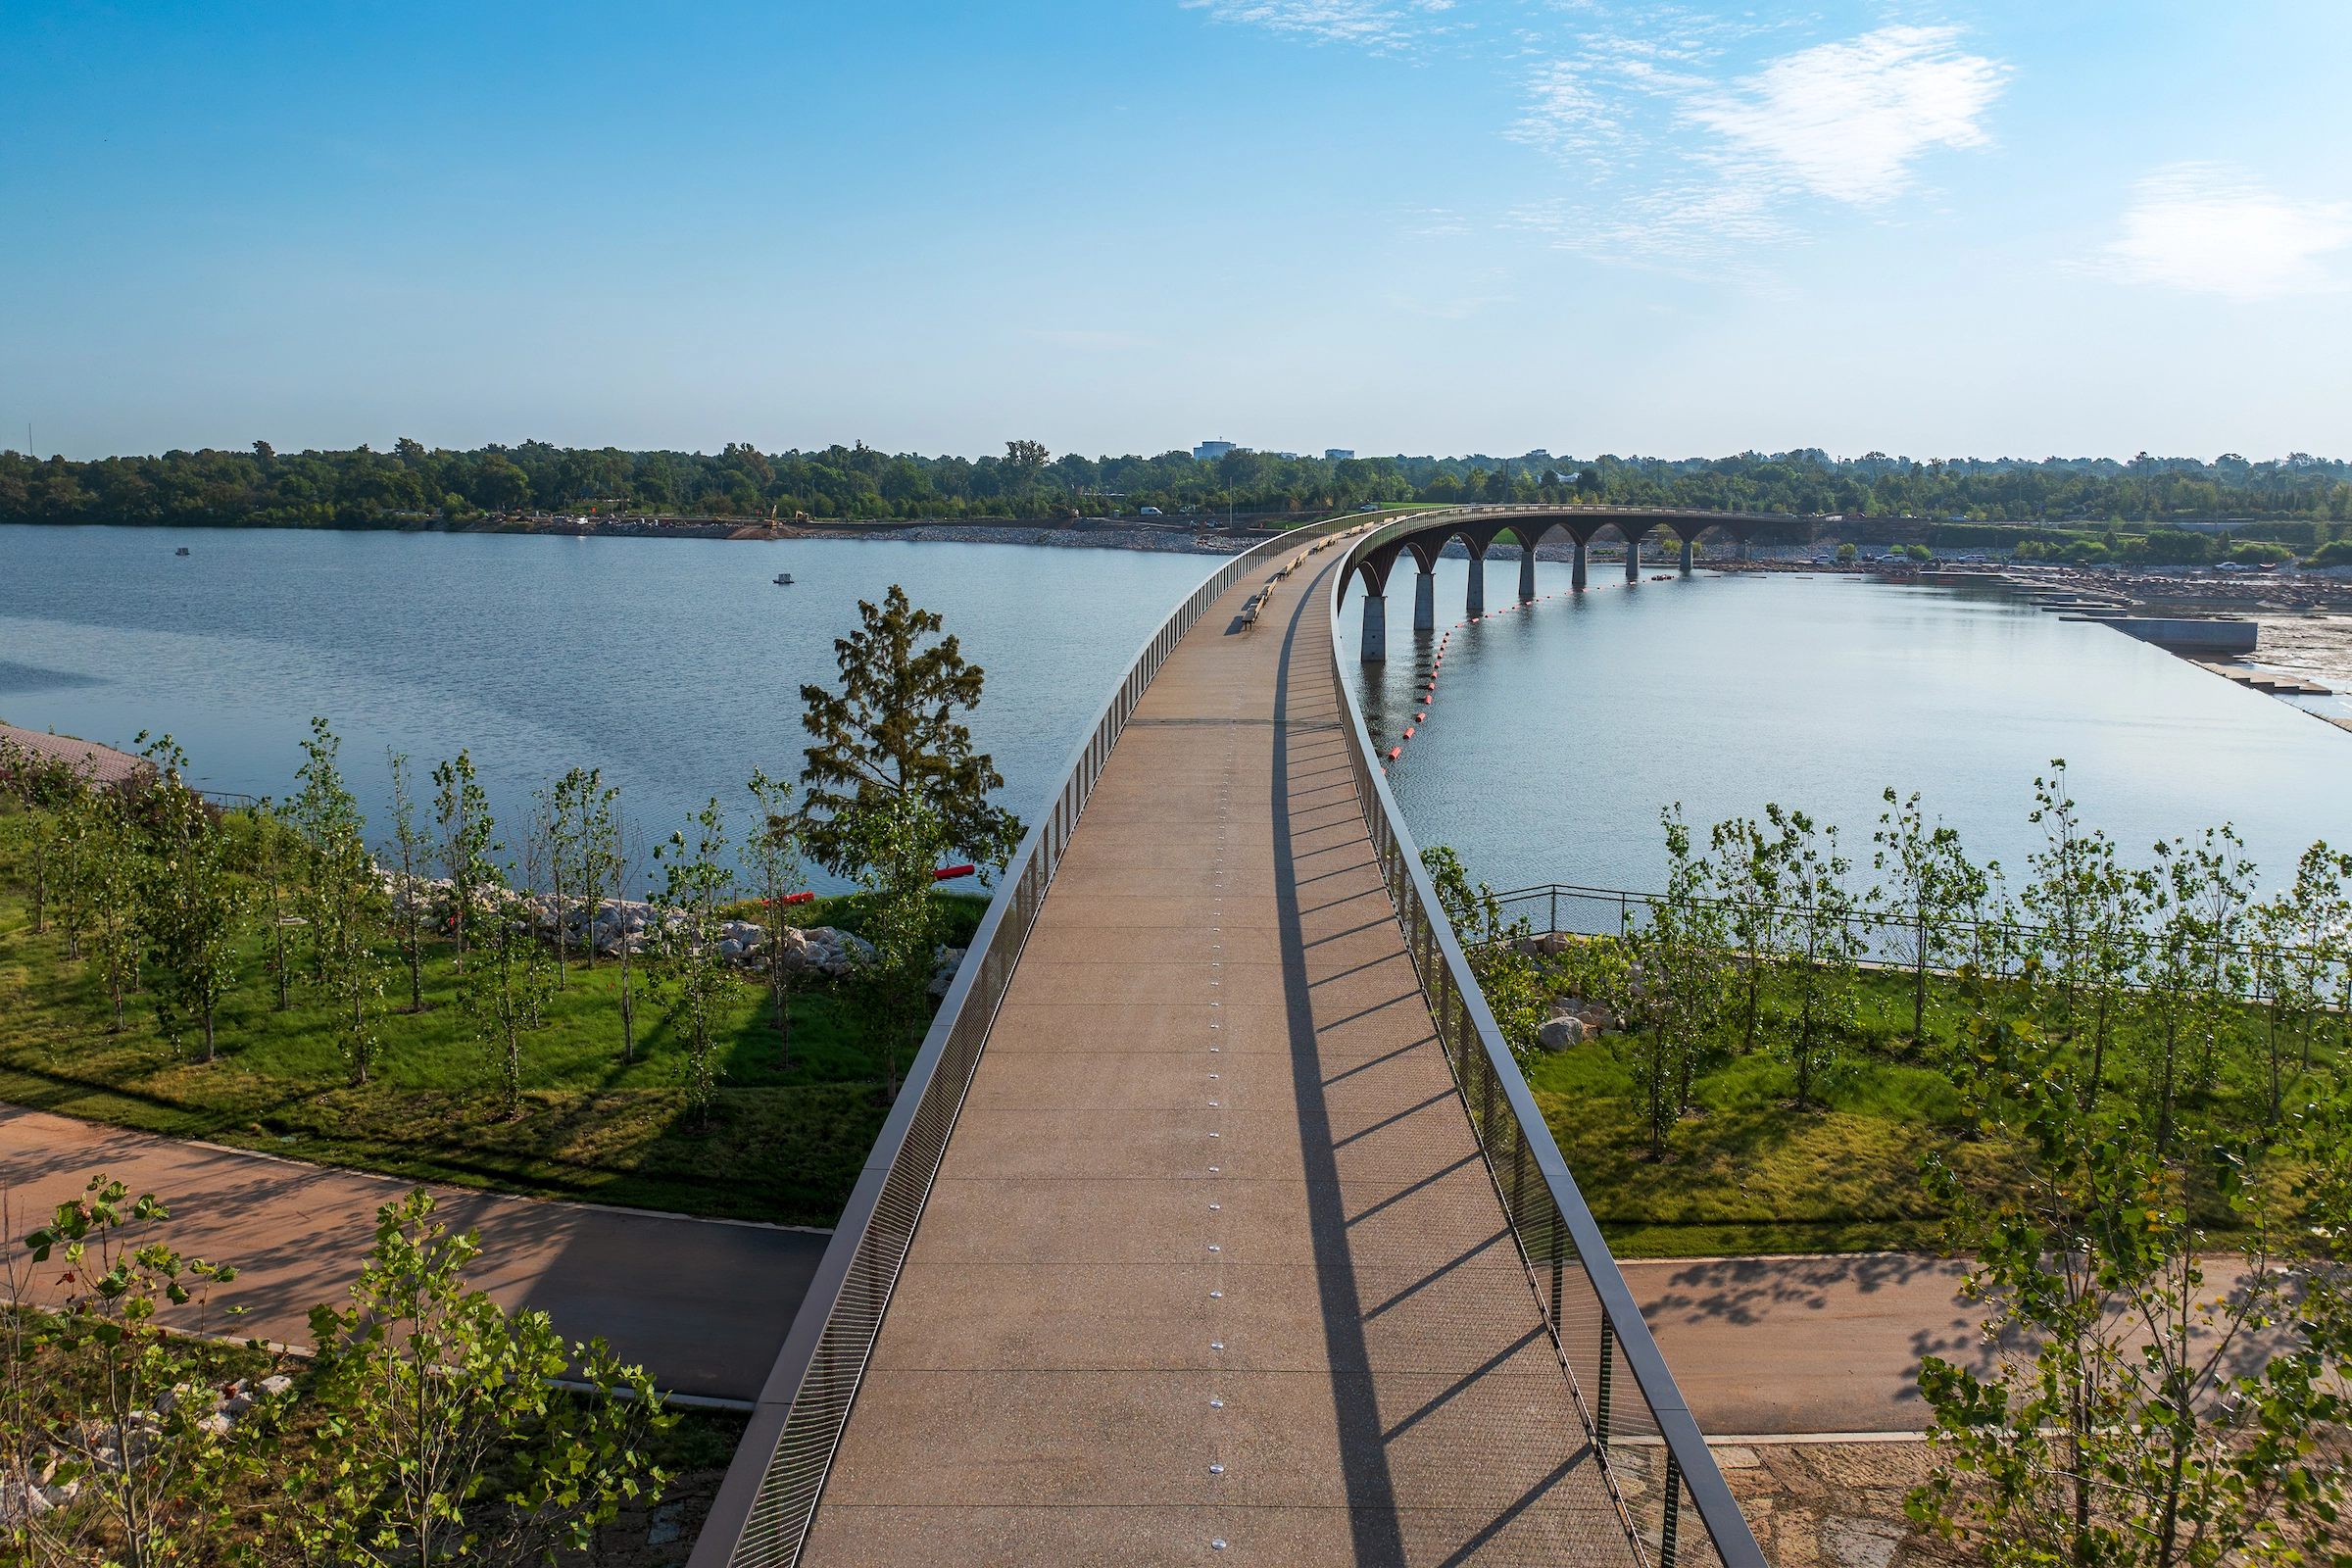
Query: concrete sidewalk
<point>1792,1344</point>
<point>702,1305</point>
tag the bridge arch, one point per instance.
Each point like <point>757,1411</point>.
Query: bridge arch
<point>1426,537</point>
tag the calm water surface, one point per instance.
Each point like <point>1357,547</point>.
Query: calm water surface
<point>674,665</point>
<point>1560,731</point>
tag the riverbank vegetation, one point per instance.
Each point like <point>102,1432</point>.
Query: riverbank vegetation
<point>451,997</point>
<point>1796,1023</point>
<point>413,486</point>
<point>2113,1083</point>
<point>420,1427</point>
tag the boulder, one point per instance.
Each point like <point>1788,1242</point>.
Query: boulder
<point>1560,1033</point>
<point>947,960</point>
<point>1593,1017</point>
<point>822,950</point>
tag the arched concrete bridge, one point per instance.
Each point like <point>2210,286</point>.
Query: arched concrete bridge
<point>1215,1223</point>
<point>1426,537</point>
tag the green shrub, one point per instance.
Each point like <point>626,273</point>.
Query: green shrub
<point>2170,546</point>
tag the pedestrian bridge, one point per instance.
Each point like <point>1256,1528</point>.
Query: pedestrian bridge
<point>1477,528</point>
<point>1214,1224</point>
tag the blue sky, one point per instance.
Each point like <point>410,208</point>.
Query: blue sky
<point>1386,225</point>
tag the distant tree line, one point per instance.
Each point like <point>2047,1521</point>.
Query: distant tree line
<point>414,486</point>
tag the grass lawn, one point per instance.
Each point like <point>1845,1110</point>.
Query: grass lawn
<point>1748,1175</point>
<point>782,1144</point>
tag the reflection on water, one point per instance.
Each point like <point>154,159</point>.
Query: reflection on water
<point>1560,731</point>
<point>674,665</point>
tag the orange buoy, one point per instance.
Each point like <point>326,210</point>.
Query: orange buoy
<point>1408,732</point>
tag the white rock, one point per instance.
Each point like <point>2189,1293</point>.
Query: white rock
<point>1859,1543</point>
<point>20,1502</point>
<point>1560,1033</point>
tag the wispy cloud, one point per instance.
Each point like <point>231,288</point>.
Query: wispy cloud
<point>1696,228</point>
<point>1687,159</point>
<point>1848,119</point>
<point>1694,137</point>
<point>2213,229</point>
<point>1376,23</point>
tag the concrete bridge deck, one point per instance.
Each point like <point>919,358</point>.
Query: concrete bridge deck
<point>1213,1270</point>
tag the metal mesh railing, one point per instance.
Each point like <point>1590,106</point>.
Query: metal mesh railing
<point>1673,1502</point>
<point>769,1499</point>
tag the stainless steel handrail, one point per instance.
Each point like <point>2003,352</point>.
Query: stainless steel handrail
<point>764,1507</point>
<point>1596,1325</point>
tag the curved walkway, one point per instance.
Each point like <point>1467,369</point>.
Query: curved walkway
<point>1776,1346</point>
<point>702,1305</point>
<point>1212,1268</point>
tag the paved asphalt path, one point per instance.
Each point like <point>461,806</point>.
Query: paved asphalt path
<point>1782,1344</point>
<point>702,1304</point>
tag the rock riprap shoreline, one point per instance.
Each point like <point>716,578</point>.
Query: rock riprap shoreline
<point>613,926</point>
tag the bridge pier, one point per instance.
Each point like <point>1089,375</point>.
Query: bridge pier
<point>1425,602</point>
<point>1688,549</point>
<point>1632,558</point>
<point>1576,578</point>
<point>1475,602</point>
<point>1374,643</point>
<point>1527,574</point>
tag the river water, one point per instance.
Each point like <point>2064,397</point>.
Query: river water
<point>1560,731</point>
<point>674,664</point>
